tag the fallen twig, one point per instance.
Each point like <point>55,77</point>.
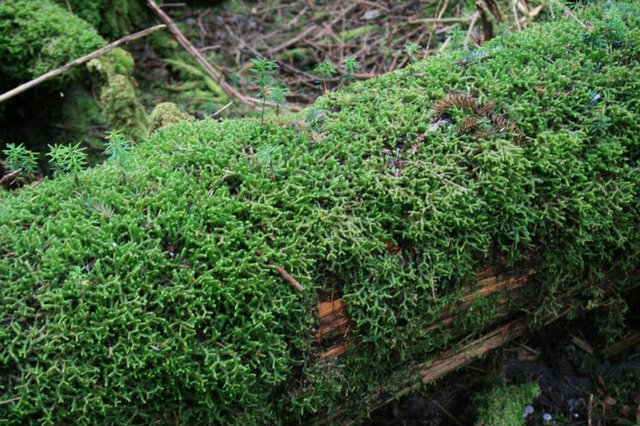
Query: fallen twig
<point>9,176</point>
<point>186,44</point>
<point>56,72</point>
<point>283,273</point>
<point>218,112</point>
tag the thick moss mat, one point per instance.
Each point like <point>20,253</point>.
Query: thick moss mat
<point>153,298</point>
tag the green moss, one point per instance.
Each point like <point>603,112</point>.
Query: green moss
<point>37,36</point>
<point>118,100</point>
<point>504,406</point>
<point>166,113</point>
<point>145,301</point>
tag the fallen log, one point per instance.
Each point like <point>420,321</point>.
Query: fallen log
<point>430,215</point>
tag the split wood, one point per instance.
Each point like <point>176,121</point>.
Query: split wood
<point>56,72</point>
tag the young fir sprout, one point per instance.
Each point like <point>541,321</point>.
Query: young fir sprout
<point>412,49</point>
<point>118,150</point>
<point>278,95</point>
<point>325,71</point>
<point>20,158</point>
<point>264,70</point>
<point>314,117</point>
<point>456,37</point>
<point>67,159</point>
<point>266,156</point>
<point>350,66</point>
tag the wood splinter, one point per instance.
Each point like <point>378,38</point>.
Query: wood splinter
<point>283,273</point>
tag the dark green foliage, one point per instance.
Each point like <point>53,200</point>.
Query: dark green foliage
<point>37,36</point>
<point>349,67</point>
<point>146,302</point>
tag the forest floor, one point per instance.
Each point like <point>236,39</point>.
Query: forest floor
<point>584,379</point>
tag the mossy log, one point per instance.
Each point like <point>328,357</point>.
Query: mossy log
<point>429,215</point>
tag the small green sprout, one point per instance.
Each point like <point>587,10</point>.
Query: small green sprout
<point>456,37</point>
<point>412,49</point>
<point>278,95</point>
<point>264,70</point>
<point>314,117</point>
<point>118,149</point>
<point>266,155</point>
<point>325,71</point>
<point>20,162</point>
<point>350,66</point>
<point>20,158</point>
<point>67,159</point>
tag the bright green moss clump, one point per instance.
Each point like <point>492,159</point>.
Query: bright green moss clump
<point>37,36</point>
<point>155,300</point>
<point>504,406</point>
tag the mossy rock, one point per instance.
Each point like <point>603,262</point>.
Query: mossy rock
<point>155,299</point>
<point>167,113</point>
<point>37,36</point>
<point>118,100</point>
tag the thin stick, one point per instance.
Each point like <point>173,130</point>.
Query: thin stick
<point>441,20</point>
<point>8,401</point>
<point>218,112</point>
<point>186,44</point>
<point>9,176</point>
<point>54,73</point>
<point>474,18</point>
<point>515,14</point>
<point>284,274</point>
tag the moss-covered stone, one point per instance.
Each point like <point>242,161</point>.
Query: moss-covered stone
<point>167,113</point>
<point>118,99</point>
<point>155,299</point>
<point>37,36</point>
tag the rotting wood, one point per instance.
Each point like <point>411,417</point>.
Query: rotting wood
<point>334,320</point>
<point>441,363</point>
<point>86,58</point>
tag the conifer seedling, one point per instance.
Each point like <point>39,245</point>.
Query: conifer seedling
<point>67,159</point>
<point>118,150</point>
<point>325,71</point>
<point>264,70</point>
